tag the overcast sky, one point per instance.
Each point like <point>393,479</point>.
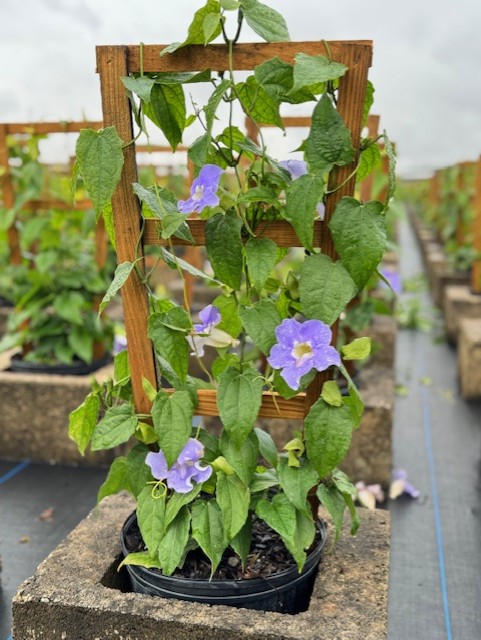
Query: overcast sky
<point>427,56</point>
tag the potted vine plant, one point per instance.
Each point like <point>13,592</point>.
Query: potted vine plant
<point>209,506</point>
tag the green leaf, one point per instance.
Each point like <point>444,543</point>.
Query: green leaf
<point>229,311</point>
<point>333,500</point>
<point>358,349</point>
<point>329,141</point>
<point>328,432</point>
<point>172,546</point>
<point>142,559</point>
<point>167,110</point>
<point>116,480</point>
<point>173,262</point>
<point>242,541</point>
<point>116,427</point>
<point>184,77</point>
<point>171,345</point>
<point>325,287</point>
<point>359,234</point>
<point>233,497</point>
<point>210,26</point>
<point>258,104</point>
<point>239,398</point>
<point>342,482</point>
<point>222,363</point>
<point>280,515</point>
<point>243,459</point>
<point>149,390</point>
<point>150,518</point>
<point>81,341</point>
<point>275,76</point>
<point>138,473</point>
<point>296,483</point>
<point>310,71</point>
<point>82,421</point>
<point>305,533</point>
<point>330,393</point>
<point>100,159</point>
<point>157,202</point>
<point>353,401</point>
<point>266,22</point>
<point>368,101</point>
<point>260,321</point>
<point>141,86</point>
<point>261,256</point>
<point>264,480</point>
<point>267,447</point>
<point>302,197</point>
<point>68,305</point>
<point>208,530</point>
<point>369,160</point>
<point>122,273</point>
<point>121,367</point>
<point>177,501</point>
<point>172,417</point>
<point>224,248</point>
<point>196,33</point>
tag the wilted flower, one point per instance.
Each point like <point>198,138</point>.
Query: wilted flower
<point>207,334</point>
<point>184,470</point>
<point>369,494</point>
<point>400,485</point>
<point>298,168</point>
<point>394,280</point>
<point>203,190</point>
<point>300,347</point>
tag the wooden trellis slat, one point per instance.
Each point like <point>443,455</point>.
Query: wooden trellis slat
<point>476,229</point>
<point>114,62</point>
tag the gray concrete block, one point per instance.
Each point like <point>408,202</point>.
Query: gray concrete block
<point>469,358</point>
<point>75,593</point>
<point>383,332</point>
<point>459,303</point>
<point>442,278</point>
<point>34,415</point>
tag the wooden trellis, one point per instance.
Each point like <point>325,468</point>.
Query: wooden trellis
<point>8,190</point>
<point>115,62</point>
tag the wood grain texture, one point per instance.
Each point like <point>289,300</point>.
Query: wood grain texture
<point>45,204</point>
<point>476,229</point>
<point>8,197</point>
<point>279,230</point>
<point>41,128</point>
<point>112,65</point>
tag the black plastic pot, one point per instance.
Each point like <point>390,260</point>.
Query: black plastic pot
<point>285,592</point>
<point>77,368</point>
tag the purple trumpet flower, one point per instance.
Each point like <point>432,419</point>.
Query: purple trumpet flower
<point>203,190</point>
<point>400,485</point>
<point>369,494</point>
<point>206,333</point>
<point>394,280</point>
<point>209,317</point>
<point>300,347</point>
<point>184,470</point>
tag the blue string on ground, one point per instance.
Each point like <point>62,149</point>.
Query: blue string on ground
<point>13,472</point>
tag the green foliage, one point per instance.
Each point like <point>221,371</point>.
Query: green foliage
<point>260,286</point>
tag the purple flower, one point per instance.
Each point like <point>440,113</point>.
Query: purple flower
<point>206,333</point>
<point>120,344</point>
<point>296,168</point>
<point>202,191</point>
<point>300,347</point>
<point>394,280</point>
<point>400,485</point>
<point>369,494</point>
<point>185,469</point>
<point>210,317</point>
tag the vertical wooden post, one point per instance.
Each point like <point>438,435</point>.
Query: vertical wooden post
<point>350,105</point>
<point>112,66</point>
<point>476,229</point>
<point>372,132</point>
<point>8,196</point>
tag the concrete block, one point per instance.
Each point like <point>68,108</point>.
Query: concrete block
<point>469,358</point>
<point>459,302</point>
<point>76,593</point>
<point>370,457</point>
<point>34,415</point>
<point>435,264</point>
<point>442,278</point>
<point>383,332</point>
<point>4,314</point>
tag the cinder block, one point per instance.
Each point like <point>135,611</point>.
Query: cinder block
<point>383,332</point>
<point>459,303</point>
<point>435,264</point>
<point>34,415</point>
<point>469,358</point>
<point>4,313</point>
<point>444,277</point>
<point>76,593</point>
<point>370,456</point>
